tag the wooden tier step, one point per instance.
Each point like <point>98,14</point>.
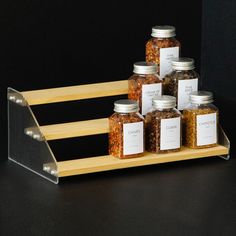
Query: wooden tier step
<point>79,92</point>
<point>105,163</point>
<point>75,129</point>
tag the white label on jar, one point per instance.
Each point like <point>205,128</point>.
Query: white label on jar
<point>170,133</point>
<point>206,129</point>
<point>185,87</point>
<point>148,92</point>
<point>166,55</point>
<point>133,138</point>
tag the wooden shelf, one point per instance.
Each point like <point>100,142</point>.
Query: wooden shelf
<point>79,92</point>
<point>35,154</point>
<point>105,163</point>
<point>75,129</point>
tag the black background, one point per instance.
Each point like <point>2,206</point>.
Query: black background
<point>218,55</point>
<point>60,43</point>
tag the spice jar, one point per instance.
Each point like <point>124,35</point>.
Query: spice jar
<point>126,130</point>
<point>163,126</point>
<point>201,121</point>
<point>144,84</point>
<point>162,47</point>
<point>181,81</point>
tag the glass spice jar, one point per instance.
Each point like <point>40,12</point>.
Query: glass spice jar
<point>163,126</point>
<point>162,47</point>
<point>126,130</point>
<point>200,121</point>
<point>144,84</point>
<point>181,81</point>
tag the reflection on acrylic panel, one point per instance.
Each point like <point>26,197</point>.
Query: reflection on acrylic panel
<point>26,145</point>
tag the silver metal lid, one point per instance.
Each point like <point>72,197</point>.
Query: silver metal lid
<point>145,68</point>
<point>163,102</point>
<point>163,31</point>
<point>201,97</point>
<point>126,106</point>
<point>182,63</point>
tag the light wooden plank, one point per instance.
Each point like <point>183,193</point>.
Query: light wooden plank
<point>75,129</point>
<point>105,163</point>
<point>78,92</point>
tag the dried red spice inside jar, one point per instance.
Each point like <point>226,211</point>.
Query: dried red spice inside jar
<point>200,121</point>
<point>144,84</point>
<point>126,130</point>
<point>162,47</point>
<point>182,81</point>
<point>163,126</point>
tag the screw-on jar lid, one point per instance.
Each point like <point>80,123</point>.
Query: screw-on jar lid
<point>163,31</point>
<point>163,102</point>
<point>126,106</point>
<point>145,68</point>
<point>182,63</point>
<point>201,97</point>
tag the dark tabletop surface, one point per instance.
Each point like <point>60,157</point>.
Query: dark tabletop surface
<point>196,197</point>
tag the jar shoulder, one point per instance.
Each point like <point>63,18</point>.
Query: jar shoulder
<point>201,108</point>
<point>121,118</point>
<point>163,114</point>
<point>144,79</point>
<point>163,42</point>
<point>183,75</point>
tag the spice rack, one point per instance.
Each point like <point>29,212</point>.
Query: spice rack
<point>28,142</point>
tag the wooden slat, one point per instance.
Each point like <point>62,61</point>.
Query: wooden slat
<point>104,163</point>
<point>75,129</point>
<point>78,92</point>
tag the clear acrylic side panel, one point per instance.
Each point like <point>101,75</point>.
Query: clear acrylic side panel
<point>224,141</point>
<point>26,145</point>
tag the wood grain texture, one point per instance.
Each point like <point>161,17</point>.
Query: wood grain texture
<point>78,92</point>
<point>105,163</point>
<point>75,129</point>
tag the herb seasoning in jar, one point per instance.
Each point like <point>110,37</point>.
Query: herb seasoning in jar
<point>181,81</point>
<point>144,84</point>
<point>163,126</point>
<point>162,47</point>
<point>126,130</point>
<point>201,121</point>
